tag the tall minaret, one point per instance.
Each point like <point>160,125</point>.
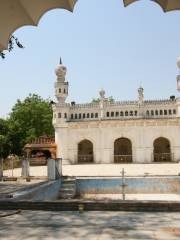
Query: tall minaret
<point>141,100</point>
<point>140,95</point>
<point>178,76</point>
<point>102,99</point>
<point>61,86</point>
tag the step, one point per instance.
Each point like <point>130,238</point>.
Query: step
<point>69,181</point>
<point>67,191</point>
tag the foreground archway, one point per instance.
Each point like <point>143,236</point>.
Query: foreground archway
<point>162,150</point>
<point>122,150</point>
<point>85,152</point>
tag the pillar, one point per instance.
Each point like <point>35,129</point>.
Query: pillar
<point>25,168</point>
<point>51,169</point>
<point>58,166</point>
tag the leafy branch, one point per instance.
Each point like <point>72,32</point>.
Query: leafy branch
<point>13,41</point>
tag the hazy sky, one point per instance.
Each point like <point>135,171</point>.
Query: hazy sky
<point>103,45</point>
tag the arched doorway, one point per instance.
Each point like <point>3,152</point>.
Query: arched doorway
<point>122,150</point>
<point>85,152</point>
<point>162,150</point>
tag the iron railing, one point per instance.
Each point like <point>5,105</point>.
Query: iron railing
<point>123,158</point>
<point>88,158</point>
<point>163,157</point>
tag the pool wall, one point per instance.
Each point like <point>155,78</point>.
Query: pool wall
<point>146,185</point>
<point>43,192</point>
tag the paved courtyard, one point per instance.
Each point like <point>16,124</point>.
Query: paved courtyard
<point>107,170</point>
<point>90,226</point>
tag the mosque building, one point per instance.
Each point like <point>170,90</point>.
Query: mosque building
<point>139,131</point>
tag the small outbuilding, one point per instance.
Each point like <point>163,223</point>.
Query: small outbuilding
<point>40,149</point>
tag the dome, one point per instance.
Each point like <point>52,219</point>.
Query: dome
<point>60,71</point>
<point>102,93</point>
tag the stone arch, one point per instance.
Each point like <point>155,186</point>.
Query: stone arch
<point>162,150</point>
<point>85,151</point>
<point>122,150</point>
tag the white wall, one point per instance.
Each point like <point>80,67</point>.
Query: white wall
<point>102,134</point>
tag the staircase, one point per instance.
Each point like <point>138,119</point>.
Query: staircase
<point>68,188</point>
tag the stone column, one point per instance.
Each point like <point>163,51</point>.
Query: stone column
<point>51,169</point>
<point>25,168</point>
<point>1,167</point>
<point>58,166</point>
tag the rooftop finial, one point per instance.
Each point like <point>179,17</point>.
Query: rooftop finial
<point>60,62</point>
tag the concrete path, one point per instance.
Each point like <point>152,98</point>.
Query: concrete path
<point>40,225</point>
<point>98,170</point>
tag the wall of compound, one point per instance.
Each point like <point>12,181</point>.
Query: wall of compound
<point>103,136</point>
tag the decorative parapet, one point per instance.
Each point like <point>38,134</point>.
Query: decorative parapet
<point>85,105</point>
<point>160,101</point>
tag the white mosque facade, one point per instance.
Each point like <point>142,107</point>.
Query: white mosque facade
<point>140,131</point>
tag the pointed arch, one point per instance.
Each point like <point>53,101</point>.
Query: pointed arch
<point>162,150</point>
<point>122,150</point>
<point>85,151</point>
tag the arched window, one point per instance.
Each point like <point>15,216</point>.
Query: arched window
<point>170,112</point>
<point>84,115</point>
<point>112,114</point>
<point>65,115</point>
<point>121,114</point>
<point>161,112</point>
<point>92,115</point>
<point>117,114</point>
<point>174,111</point>
<point>152,113</point>
<point>72,116</point>
<point>79,115</point>
<point>107,114</point>
<point>131,113</point>
<point>59,115</point>
<point>135,113</point>
<point>122,150</point>
<point>76,116</point>
<point>126,113</point>
<point>165,112</point>
<point>96,115</point>
<point>162,150</point>
<point>85,152</point>
<point>147,113</point>
<point>156,112</point>
<point>87,115</point>
<point>64,90</point>
<point>59,90</point>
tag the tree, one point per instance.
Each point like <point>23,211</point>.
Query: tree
<point>12,41</point>
<point>29,119</point>
<point>4,143</point>
<point>97,100</point>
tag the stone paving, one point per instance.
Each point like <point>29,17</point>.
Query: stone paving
<point>98,170</point>
<point>39,225</point>
<point>20,184</point>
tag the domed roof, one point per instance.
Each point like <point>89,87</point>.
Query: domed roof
<point>60,70</point>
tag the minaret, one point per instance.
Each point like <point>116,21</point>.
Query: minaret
<point>61,86</point>
<point>178,76</point>
<point>102,99</point>
<point>141,100</point>
<point>140,95</point>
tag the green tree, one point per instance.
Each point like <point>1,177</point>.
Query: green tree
<point>97,100</point>
<point>5,145</point>
<point>12,42</point>
<point>29,119</point>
